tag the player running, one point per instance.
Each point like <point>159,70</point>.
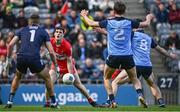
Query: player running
<point>141,47</point>
<point>119,31</point>
<point>28,56</point>
<point>66,64</point>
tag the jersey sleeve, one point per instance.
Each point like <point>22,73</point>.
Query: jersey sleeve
<point>103,23</point>
<point>51,40</point>
<point>46,36</point>
<point>68,49</point>
<point>135,24</point>
<point>18,33</point>
<point>153,43</point>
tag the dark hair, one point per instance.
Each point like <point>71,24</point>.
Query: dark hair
<point>34,18</point>
<point>139,29</point>
<point>58,28</point>
<point>119,8</point>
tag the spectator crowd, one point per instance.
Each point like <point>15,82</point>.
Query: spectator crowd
<point>167,27</point>
<point>87,44</point>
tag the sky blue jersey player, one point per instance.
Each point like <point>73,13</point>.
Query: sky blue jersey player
<point>119,35</point>
<point>31,39</point>
<point>141,48</point>
<point>119,31</point>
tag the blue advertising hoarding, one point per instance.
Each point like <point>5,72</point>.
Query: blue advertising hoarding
<point>68,95</point>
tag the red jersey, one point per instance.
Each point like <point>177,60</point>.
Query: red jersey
<point>62,52</point>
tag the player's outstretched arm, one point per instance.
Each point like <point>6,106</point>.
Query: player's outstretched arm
<point>165,52</point>
<point>11,45</point>
<point>100,30</point>
<point>90,22</point>
<point>147,22</point>
<point>51,52</point>
<point>9,51</point>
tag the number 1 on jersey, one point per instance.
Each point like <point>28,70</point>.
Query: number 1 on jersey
<point>32,35</point>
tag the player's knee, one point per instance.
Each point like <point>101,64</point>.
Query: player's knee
<point>132,77</point>
<point>18,77</point>
<point>44,74</point>
<point>151,84</point>
<point>114,83</point>
<point>46,77</point>
<point>51,72</point>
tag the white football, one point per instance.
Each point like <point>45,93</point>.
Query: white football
<point>68,78</point>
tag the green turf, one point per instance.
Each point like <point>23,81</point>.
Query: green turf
<point>91,109</point>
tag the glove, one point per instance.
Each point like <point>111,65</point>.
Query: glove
<point>57,70</point>
<point>7,64</point>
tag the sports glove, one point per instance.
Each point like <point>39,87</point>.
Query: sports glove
<point>57,71</point>
<point>7,64</point>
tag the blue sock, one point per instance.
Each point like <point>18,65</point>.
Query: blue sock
<point>11,96</point>
<point>139,92</point>
<point>53,99</point>
<point>108,101</point>
<point>161,101</point>
<point>111,97</point>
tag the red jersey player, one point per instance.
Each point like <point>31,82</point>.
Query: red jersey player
<point>66,64</point>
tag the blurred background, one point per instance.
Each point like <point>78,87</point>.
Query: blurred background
<point>88,45</point>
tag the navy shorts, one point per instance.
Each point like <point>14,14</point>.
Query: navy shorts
<point>117,62</point>
<point>144,71</point>
<point>34,64</point>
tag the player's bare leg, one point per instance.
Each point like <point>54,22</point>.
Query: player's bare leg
<point>14,86</point>
<point>155,90</point>
<point>107,77</point>
<point>53,79</point>
<point>121,79</point>
<point>83,90</point>
<point>137,84</point>
<point>49,86</point>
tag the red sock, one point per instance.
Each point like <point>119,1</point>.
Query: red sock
<point>47,101</point>
<point>90,100</point>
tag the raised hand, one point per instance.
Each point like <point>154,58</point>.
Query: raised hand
<point>84,13</point>
<point>149,16</point>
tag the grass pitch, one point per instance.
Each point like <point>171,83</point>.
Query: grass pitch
<point>174,108</point>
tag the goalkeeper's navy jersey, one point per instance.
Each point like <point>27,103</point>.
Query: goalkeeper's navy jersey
<point>31,37</point>
<point>119,35</point>
<point>141,47</point>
